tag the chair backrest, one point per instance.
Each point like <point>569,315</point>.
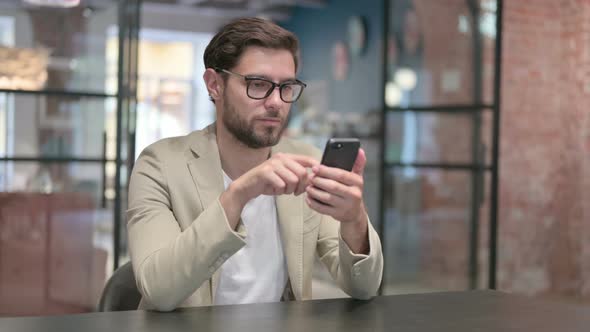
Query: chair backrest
<point>120,293</point>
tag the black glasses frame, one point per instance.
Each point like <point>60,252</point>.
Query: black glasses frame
<point>281,86</point>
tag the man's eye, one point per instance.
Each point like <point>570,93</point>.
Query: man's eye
<point>259,84</point>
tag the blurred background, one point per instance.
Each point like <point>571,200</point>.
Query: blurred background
<point>472,114</point>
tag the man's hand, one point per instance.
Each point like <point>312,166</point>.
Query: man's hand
<point>339,194</point>
<point>282,174</point>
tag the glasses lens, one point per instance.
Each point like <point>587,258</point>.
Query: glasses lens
<point>258,88</point>
<point>291,91</point>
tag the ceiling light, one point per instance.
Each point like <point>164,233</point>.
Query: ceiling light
<point>406,78</point>
<point>393,94</point>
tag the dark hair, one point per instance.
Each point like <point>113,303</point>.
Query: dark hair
<point>226,47</point>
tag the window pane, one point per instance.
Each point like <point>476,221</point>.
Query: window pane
<point>63,49</point>
<point>55,248</point>
<point>52,126</point>
<point>427,231</point>
<point>440,52</point>
<point>420,137</point>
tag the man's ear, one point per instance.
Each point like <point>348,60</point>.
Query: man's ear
<point>214,84</point>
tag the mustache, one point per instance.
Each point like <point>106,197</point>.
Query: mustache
<point>270,115</point>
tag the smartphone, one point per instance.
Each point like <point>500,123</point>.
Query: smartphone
<point>341,153</point>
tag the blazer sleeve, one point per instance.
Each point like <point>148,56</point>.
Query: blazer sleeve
<point>170,263</point>
<point>357,275</point>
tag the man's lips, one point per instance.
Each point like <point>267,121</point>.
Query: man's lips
<point>270,121</point>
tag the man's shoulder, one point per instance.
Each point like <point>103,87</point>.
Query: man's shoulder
<point>174,145</point>
<point>168,145</point>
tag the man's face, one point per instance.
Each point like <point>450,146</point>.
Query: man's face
<point>257,123</point>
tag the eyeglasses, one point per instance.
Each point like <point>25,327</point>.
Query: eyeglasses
<point>260,88</point>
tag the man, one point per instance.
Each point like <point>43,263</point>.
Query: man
<point>218,216</point>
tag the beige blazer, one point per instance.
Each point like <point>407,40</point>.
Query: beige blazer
<point>179,235</point>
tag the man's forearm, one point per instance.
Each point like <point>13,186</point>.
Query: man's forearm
<point>356,235</point>
<point>233,202</point>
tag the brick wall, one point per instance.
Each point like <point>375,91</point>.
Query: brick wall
<point>544,210</point>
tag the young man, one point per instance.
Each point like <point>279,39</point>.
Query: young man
<point>218,216</point>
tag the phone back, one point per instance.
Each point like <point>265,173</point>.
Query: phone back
<point>341,153</point>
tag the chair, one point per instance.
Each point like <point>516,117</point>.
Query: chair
<point>120,293</point>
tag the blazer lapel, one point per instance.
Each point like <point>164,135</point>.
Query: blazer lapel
<point>290,218</point>
<point>205,167</point>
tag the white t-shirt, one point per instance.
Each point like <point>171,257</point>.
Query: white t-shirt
<point>257,272</point>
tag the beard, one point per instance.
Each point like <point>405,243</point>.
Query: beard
<point>245,132</point>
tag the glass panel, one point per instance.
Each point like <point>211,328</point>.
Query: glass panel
<point>51,126</point>
<point>59,48</point>
<point>440,52</point>
<point>56,239</point>
<point>427,231</point>
<point>172,99</point>
<point>487,30</point>
<point>420,137</point>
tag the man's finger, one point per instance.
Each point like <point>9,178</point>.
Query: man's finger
<point>305,161</point>
<point>303,183</point>
<point>301,173</point>
<point>359,163</point>
<point>338,175</point>
<point>325,197</point>
<point>295,167</point>
<point>319,207</point>
<point>289,178</point>
<point>277,184</point>
<point>331,186</point>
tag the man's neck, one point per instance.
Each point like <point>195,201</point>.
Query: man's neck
<point>236,157</point>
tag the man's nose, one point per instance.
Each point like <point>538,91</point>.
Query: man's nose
<point>274,98</point>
